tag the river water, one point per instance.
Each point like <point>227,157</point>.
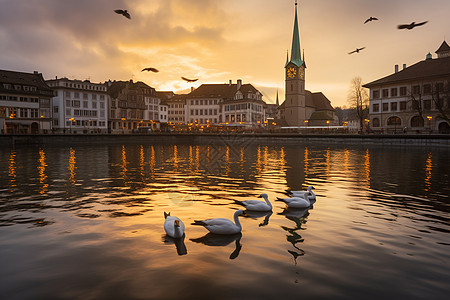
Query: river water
<point>86,222</point>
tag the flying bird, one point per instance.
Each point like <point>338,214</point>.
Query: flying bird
<point>150,70</point>
<point>370,19</point>
<point>123,12</point>
<point>189,80</point>
<point>357,50</point>
<point>411,26</point>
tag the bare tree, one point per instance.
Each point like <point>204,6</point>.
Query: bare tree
<point>440,95</point>
<point>358,99</point>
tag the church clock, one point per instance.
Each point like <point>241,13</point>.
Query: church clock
<point>291,72</point>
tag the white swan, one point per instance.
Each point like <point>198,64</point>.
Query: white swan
<point>173,226</point>
<point>296,202</point>
<point>309,192</point>
<point>222,225</point>
<point>256,205</point>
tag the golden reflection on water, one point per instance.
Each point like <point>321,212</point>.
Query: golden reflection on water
<point>227,161</point>
<point>175,158</point>
<point>72,166</point>
<point>327,161</point>
<point>42,176</point>
<point>12,170</point>
<point>306,160</point>
<point>124,164</point>
<point>141,162</point>
<point>428,169</point>
<point>152,162</point>
<point>367,166</point>
<point>346,159</point>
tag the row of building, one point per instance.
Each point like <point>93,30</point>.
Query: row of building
<point>30,104</point>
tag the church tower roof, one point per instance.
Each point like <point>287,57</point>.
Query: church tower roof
<point>296,56</point>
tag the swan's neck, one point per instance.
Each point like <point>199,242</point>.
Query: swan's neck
<point>312,193</point>
<point>236,220</point>
<point>176,229</point>
<point>266,198</point>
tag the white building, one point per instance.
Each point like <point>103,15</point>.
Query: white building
<point>79,107</point>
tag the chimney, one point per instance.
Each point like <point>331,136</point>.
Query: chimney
<point>231,82</point>
<point>396,68</point>
<point>35,72</point>
<point>192,89</point>
<point>239,83</point>
<point>404,66</point>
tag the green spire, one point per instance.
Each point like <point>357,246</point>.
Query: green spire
<point>296,56</point>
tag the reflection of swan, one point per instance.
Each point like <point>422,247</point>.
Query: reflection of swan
<point>294,212</point>
<point>260,214</point>
<point>222,225</point>
<point>296,202</point>
<point>257,205</point>
<point>309,192</point>
<point>179,243</point>
<point>173,226</point>
<point>211,239</point>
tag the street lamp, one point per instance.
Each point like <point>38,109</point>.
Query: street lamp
<point>429,121</point>
<point>71,120</point>
<point>42,117</point>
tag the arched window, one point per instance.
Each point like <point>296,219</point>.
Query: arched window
<point>394,121</point>
<point>376,122</point>
<point>417,121</point>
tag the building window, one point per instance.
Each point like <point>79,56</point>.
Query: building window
<point>394,92</point>
<point>417,121</point>
<point>393,106</point>
<point>427,88</point>
<point>385,106</point>
<point>394,121</point>
<point>427,104</point>
<point>402,105</point>
<point>376,94</point>
<point>385,93</point>
<point>416,89</point>
<point>376,122</point>
<point>375,107</point>
<point>403,91</point>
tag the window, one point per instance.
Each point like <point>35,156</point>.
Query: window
<point>403,91</point>
<point>417,121</point>
<point>85,104</point>
<point>427,104</point>
<point>402,105</point>
<point>439,87</point>
<point>394,92</point>
<point>385,93</point>
<point>393,106</point>
<point>76,95</point>
<point>416,89</point>
<point>427,88</point>
<point>94,104</point>
<point>56,109</point>
<point>395,121</point>
<point>376,94</point>
<point>376,122</point>
<point>385,106</point>
<point>67,94</point>
<point>375,107</point>
<point>85,96</point>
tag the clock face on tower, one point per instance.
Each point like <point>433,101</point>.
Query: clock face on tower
<point>302,73</point>
<point>291,72</point>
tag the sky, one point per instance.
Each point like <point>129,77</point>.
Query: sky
<point>218,40</point>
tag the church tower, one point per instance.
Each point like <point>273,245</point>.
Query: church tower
<point>295,106</point>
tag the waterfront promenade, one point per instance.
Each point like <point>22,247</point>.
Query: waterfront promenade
<point>435,140</point>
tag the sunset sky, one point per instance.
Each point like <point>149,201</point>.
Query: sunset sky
<point>218,40</point>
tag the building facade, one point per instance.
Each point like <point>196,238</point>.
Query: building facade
<point>79,107</point>
<point>414,99</point>
<point>25,103</point>
<point>131,105</point>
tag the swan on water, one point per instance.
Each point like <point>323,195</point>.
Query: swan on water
<point>296,202</point>
<point>222,225</point>
<point>257,205</point>
<point>309,192</point>
<point>173,226</point>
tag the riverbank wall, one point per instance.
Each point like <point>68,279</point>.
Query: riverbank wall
<point>208,138</point>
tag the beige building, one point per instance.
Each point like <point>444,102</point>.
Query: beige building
<point>414,99</point>
<point>25,103</point>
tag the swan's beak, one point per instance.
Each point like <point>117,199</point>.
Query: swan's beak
<point>260,196</point>
<point>244,214</point>
<point>177,223</point>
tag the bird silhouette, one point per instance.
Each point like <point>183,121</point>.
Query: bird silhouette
<point>370,19</point>
<point>411,26</point>
<point>150,70</point>
<point>357,50</point>
<point>123,12</point>
<point>189,80</point>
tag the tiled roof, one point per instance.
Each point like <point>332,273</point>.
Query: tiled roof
<point>318,100</point>
<point>224,91</point>
<point>25,79</point>
<point>443,48</point>
<point>429,68</point>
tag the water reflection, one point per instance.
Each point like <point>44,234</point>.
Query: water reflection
<point>72,166</point>
<point>428,169</point>
<point>42,176</point>
<point>12,170</point>
<point>299,218</point>
<point>260,214</point>
<point>220,240</point>
<point>178,242</point>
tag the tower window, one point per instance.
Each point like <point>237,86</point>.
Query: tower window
<point>292,87</point>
